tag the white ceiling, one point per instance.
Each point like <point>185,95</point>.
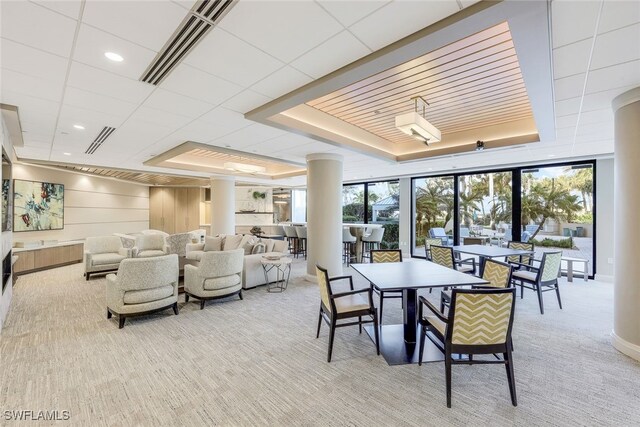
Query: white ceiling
<point>54,70</point>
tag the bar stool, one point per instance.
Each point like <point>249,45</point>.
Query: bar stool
<point>292,237</point>
<point>348,244</point>
<point>372,241</point>
<point>302,241</point>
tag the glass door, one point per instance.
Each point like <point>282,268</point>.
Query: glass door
<point>383,207</point>
<point>433,210</point>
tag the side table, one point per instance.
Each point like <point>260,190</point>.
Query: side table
<point>282,266</point>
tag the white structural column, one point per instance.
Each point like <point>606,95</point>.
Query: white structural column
<point>626,327</point>
<point>223,205</point>
<point>324,213</point>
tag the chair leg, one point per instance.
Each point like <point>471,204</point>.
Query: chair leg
<point>375,331</point>
<point>121,320</point>
<point>240,294</point>
<point>510,376</point>
<point>109,314</point>
<point>201,304</point>
<point>423,333</point>
<point>521,290</point>
<point>381,305</point>
<point>539,291</point>
<point>447,368</point>
<point>319,322</point>
<point>441,303</point>
<point>87,276</point>
<point>186,297</point>
<point>558,295</point>
<point>332,332</point>
<point>175,308</point>
<point>360,324</point>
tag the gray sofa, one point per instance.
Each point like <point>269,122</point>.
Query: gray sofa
<point>252,272</point>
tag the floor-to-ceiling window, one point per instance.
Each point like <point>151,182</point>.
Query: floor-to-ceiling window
<point>551,205</point>
<point>433,202</point>
<point>484,207</point>
<point>374,203</point>
<point>353,204</point>
<point>383,207</point>
<point>557,210</point>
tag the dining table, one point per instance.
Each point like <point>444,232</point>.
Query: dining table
<point>484,252</point>
<point>398,342</point>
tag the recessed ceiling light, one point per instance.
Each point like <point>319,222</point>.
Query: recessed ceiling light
<point>552,155</point>
<point>114,56</point>
<point>67,154</point>
<point>80,127</point>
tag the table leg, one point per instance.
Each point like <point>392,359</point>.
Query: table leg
<point>482,261</point>
<point>410,315</point>
<point>586,271</point>
<point>569,271</point>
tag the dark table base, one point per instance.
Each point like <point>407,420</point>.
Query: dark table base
<point>396,351</point>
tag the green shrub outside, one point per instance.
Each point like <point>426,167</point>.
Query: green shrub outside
<point>552,243</point>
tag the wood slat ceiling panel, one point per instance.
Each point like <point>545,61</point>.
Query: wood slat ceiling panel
<point>139,177</point>
<point>474,82</point>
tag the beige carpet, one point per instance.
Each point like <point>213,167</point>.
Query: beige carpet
<point>257,362</point>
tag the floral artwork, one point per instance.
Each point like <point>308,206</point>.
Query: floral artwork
<point>38,206</point>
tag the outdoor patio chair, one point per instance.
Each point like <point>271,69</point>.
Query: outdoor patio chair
<point>439,233</point>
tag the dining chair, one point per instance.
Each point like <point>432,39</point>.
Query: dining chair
<point>427,245</point>
<point>525,260</point>
<point>497,273</point>
<point>444,256</point>
<point>386,255</point>
<point>479,322</point>
<point>344,305</point>
<point>540,279</point>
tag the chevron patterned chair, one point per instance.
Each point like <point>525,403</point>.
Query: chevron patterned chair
<point>444,256</point>
<point>540,279</point>
<point>497,273</point>
<point>386,255</point>
<point>522,260</point>
<point>427,245</point>
<point>344,305</point>
<point>479,322</point>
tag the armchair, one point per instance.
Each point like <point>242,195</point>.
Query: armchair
<point>219,275</point>
<point>150,245</point>
<point>103,254</point>
<point>177,243</point>
<point>540,279</point>
<point>479,322</point>
<point>439,233</point>
<point>444,256</point>
<point>143,286</point>
<point>344,305</point>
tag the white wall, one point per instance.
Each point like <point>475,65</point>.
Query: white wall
<point>92,206</point>
<point>604,219</point>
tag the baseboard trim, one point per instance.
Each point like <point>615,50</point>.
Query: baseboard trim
<point>603,278</point>
<point>625,347</point>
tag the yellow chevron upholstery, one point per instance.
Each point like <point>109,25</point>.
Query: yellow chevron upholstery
<point>551,266</point>
<point>431,241</point>
<point>323,283</point>
<point>521,246</point>
<point>497,274</point>
<point>443,256</point>
<point>386,256</point>
<point>481,319</point>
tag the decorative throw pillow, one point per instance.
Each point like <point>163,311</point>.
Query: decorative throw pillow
<point>258,248</point>
<point>247,243</point>
<point>279,246</point>
<point>212,244</point>
<point>269,245</point>
<point>232,242</point>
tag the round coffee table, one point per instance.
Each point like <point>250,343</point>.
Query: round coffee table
<point>282,266</point>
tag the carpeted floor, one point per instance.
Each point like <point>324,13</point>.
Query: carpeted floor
<point>257,362</point>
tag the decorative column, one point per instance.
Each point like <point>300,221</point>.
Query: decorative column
<point>626,315</point>
<point>223,205</point>
<point>324,213</point>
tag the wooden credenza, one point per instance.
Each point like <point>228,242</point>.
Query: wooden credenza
<point>44,257</point>
<point>174,210</point>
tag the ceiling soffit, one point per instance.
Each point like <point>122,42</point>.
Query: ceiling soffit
<point>485,72</point>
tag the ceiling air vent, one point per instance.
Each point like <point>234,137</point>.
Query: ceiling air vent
<point>102,136</point>
<point>199,21</point>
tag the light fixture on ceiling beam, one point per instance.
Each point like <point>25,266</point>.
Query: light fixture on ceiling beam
<point>244,168</point>
<point>416,125</point>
